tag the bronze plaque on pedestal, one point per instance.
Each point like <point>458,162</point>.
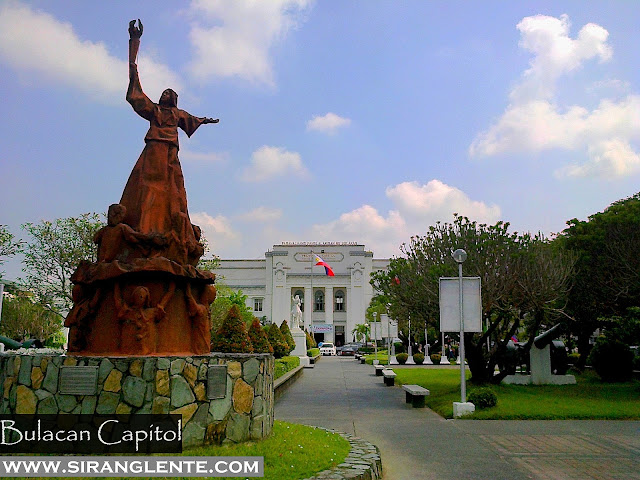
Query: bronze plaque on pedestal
<point>78,380</point>
<point>216,381</point>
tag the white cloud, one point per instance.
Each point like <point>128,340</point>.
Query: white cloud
<point>234,38</point>
<point>555,53</point>
<point>534,122</point>
<point>365,224</point>
<point>217,230</point>
<point>262,214</point>
<point>438,201</point>
<point>271,162</point>
<point>609,159</point>
<point>328,123</point>
<point>416,207</point>
<point>36,42</point>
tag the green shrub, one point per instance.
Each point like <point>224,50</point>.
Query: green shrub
<point>483,397</point>
<point>418,358</point>
<point>573,358</point>
<point>402,358</point>
<point>258,338</point>
<point>612,360</point>
<point>313,352</point>
<point>286,333</point>
<point>436,358</point>
<point>56,340</point>
<point>399,347</point>
<point>311,342</point>
<point>284,365</point>
<point>280,346</point>
<point>232,335</point>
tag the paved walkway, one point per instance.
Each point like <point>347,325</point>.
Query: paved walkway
<point>417,444</point>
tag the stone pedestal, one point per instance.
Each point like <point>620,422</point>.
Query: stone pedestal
<point>236,406</point>
<point>300,338</point>
<point>460,409</point>
<point>300,350</point>
<point>540,359</point>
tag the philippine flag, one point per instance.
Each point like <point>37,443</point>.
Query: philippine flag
<point>326,266</point>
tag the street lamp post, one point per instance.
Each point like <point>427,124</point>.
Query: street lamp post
<point>375,335</point>
<point>460,256</point>
<point>409,350</point>
<point>388,335</point>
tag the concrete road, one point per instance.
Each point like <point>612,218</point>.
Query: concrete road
<point>417,444</point>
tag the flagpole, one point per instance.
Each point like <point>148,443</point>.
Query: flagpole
<point>311,300</point>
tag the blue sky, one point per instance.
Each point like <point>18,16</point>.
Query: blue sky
<point>340,120</point>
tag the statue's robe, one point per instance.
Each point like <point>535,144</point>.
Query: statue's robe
<point>155,196</point>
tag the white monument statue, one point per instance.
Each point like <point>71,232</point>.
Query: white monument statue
<point>296,312</point>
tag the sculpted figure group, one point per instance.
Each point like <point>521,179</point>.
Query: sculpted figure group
<point>144,295</point>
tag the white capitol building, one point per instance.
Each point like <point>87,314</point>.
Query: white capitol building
<point>339,302</point>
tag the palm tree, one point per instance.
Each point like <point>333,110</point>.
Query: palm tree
<point>361,331</point>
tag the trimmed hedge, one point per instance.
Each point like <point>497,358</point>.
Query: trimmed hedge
<point>284,365</point>
<point>402,358</point>
<point>313,352</point>
<point>277,341</point>
<point>259,338</point>
<point>288,337</point>
<point>232,335</point>
<point>311,343</point>
<point>418,358</point>
<point>483,397</point>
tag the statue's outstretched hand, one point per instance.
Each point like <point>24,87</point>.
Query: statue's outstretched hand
<point>211,120</point>
<point>135,32</point>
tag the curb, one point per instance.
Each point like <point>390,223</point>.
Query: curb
<point>362,463</point>
<point>285,381</point>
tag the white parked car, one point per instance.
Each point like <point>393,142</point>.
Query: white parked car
<point>328,349</point>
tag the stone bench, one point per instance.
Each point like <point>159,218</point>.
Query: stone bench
<point>389,377</point>
<point>415,395</point>
<point>379,369</point>
<point>362,359</point>
<point>357,356</point>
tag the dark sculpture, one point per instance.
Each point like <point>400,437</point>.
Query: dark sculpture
<point>144,295</point>
<point>517,354</point>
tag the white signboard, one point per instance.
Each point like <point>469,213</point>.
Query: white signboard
<point>384,328</point>
<point>322,328</point>
<point>450,301</point>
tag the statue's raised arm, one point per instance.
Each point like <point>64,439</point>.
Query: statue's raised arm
<point>134,39</point>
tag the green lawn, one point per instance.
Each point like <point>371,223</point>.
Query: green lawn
<point>292,452</point>
<point>382,356</point>
<point>589,399</point>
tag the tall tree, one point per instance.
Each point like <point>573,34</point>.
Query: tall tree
<point>23,319</point>
<point>607,276</point>
<point>53,253</point>
<point>524,282</point>
<point>9,246</point>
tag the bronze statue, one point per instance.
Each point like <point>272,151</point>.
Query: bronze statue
<point>138,335</point>
<point>149,248</point>
<point>155,193</point>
